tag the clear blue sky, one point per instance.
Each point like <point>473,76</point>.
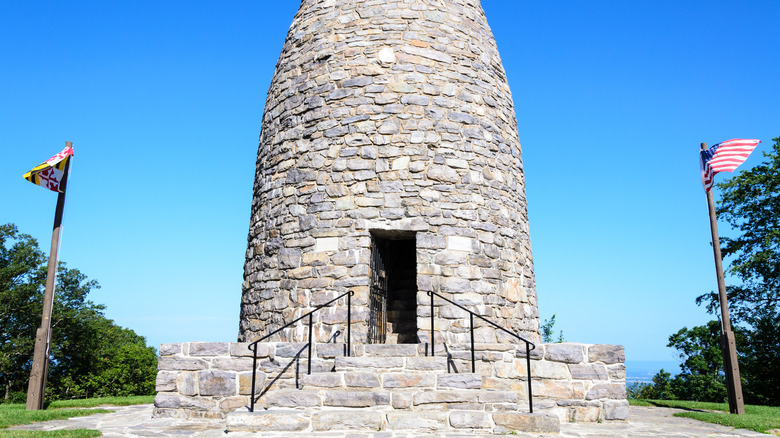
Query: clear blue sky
<point>163,102</point>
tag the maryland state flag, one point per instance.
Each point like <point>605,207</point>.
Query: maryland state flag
<point>51,173</point>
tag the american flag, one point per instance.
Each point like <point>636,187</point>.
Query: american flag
<point>724,157</point>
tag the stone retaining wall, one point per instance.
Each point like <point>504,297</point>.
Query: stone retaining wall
<point>575,382</point>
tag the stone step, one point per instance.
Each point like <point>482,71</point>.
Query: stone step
<point>432,380</point>
<point>391,364</point>
<point>363,420</point>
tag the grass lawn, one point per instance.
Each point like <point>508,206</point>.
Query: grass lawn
<point>16,414</point>
<point>756,418</point>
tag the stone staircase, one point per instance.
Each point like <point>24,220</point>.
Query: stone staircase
<point>382,387</point>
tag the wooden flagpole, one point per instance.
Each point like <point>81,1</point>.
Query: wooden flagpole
<point>727,343</point>
<point>40,367</point>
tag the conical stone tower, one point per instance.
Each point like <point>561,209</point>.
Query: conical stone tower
<point>389,165</point>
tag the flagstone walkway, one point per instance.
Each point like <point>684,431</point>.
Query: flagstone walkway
<point>136,421</point>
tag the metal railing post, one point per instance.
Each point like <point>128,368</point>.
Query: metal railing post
<point>349,321</point>
<point>311,341</point>
<point>254,374</point>
<point>433,345</point>
<point>473,367</point>
<point>528,363</point>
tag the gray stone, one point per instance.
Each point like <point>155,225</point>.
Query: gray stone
<point>522,422</point>
<point>170,349</point>
<point>568,353</point>
<point>217,383</point>
<point>354,399</point>
<point>290,398</point>
<point>615,410</point>
<point>270,421</point>
<point>608,354</point>
<point>607,390</point>
<point>347,420</point>
<point>408,380</point>
<point>588,371</point>
<point>361,380</point>
<point>417,421</point>
<point>321,380</point>
<point>208,348</point>
<point>470,420</point>
<point>172,363</point>
<point>464,381</point>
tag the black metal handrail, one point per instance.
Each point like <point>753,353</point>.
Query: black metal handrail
<point>253,345</point>
<point>528,344</point>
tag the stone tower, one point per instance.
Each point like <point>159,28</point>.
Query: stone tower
<point>389,165</point>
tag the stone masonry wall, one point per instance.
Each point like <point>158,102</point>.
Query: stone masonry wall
<point>394,116</point>
<point>575,382</point>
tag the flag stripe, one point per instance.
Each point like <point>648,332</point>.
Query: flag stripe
<point>724,157</point>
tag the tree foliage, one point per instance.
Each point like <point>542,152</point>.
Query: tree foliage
<point>90,355</point>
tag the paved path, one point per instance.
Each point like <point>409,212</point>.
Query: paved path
<point>136,421</point>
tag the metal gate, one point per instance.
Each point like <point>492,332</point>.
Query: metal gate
<point>377,320</point>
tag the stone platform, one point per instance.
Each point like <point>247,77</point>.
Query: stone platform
<point>392,387</point>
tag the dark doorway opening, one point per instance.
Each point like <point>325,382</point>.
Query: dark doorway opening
<point>393,297</point>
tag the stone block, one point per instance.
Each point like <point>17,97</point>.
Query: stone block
<point>402,400</point>
<point>430,397</point>
<point>617,371</point>
<point>361,380</point>
<point>549,370</point>
<point>607,390</point>
<point>322,380</point>
<point>241,349</point>
<point>615,410</point>
<point>165,381</point>
<point>187,383</point>
<point>462,381</point>
<point>408,380</point>
<point>469,420</point>
<point>555,389</point>
<point>352,399</point>
<point>584,414</point>
<point>498,397</point>
<point>391,350</point>
<point>172,363</point>
<point>567,353</point>
<point>175,401</point>
<point>347,420</point>
<point>209,348</point>
<point>588,371</point>
<point>608,354</point>
<point>170,349</point>
<point>330,351</point>
<point>369,362</point>
<point>426,363</point>
<point>245,383</point>
<point>523,422</point>
<point>217,383</point>
<point>290,349</point>
<point>267,421</point>
<point>232,363</point>
<point>290,398</point>
<point>230,404</point>
<point>417,421</point>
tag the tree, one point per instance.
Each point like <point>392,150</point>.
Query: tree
<point>547,329</point>
<point>90,355</point>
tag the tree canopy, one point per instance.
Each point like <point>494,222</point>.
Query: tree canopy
<point>90,355</point>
